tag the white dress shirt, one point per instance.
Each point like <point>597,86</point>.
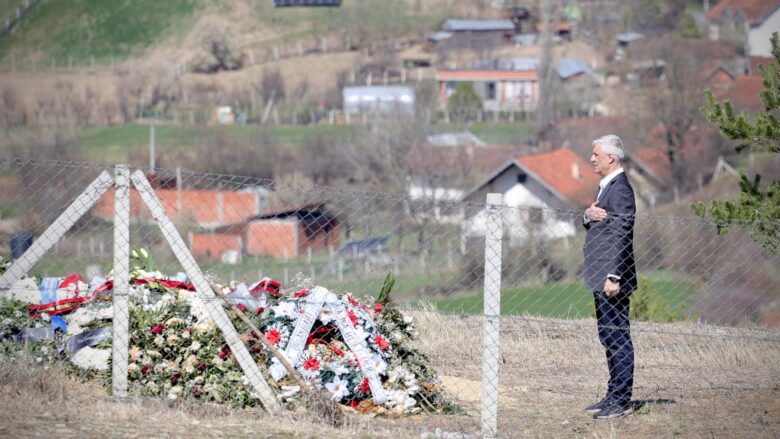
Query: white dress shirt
<point>605,181</point>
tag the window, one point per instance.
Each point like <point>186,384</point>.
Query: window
<point>521,178</point>
<point>535,215</point>
<point>491,90</point>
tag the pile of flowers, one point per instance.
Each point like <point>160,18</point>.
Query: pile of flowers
<point>177,352</point>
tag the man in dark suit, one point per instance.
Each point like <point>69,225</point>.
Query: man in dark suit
<point>610,272</point>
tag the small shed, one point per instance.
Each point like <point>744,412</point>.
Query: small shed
<point>388,100</point>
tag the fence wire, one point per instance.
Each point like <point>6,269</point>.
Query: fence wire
<point>703,303</point>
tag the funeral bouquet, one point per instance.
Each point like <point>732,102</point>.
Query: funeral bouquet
<point>357,349</point>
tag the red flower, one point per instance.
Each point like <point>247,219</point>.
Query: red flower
<point>352,301</point>
<point>158,328</point>
<point>364,386</point>
<point>201,366</point>
<point>381,342</point>
<point>145,370</point>
<point>241,307</point>
<point>352,317</point>
<point>175,378</point>
<point>353,403</point>
<point>273,336</point>
<point>301,293</point>
<point>224,353</point>
<point>378,308</point>
<point>311,363</point>
<point>260,310</point>
<point>196,391</point>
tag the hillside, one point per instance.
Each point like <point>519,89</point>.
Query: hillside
<point>74,31</point>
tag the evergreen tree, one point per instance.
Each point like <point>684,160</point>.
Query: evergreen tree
<point>757,206</point>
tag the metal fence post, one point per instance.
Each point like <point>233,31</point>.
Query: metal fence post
<point>121,326</point>
<point>491,314</point>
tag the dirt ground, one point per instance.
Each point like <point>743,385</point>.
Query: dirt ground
<point>691,381</point>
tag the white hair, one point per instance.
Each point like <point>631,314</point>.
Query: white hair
<point>611,144</point>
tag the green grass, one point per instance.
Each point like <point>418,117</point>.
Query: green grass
<point>112,144</point>
<point>563,300</point>
<point>80,29</point>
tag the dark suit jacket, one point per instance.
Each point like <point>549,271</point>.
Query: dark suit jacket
<point>609,244</point>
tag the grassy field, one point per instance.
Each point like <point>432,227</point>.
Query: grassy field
<point>84,28</point>
<point>565,299</point>
<point>113,143</point>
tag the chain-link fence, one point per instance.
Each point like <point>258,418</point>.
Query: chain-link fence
<point>702,312</point>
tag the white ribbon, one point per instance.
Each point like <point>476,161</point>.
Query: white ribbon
<point>359,347</point>
<point>316,299</point>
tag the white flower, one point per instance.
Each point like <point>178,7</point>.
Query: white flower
<point>337,388</point>
<point>380,365</point>
<point>408,320</point>
<point>217,361</point>
<point>360,333</point>
<point>195,346</point>
<point>132,367</point>
<point>152,387</point>
<point>198,379</point>
<point>285,309</point>
<point>339,369</point>
<point>159,340</point>
<point>173,340</point>
<point>174,393</point>
<point>326,315</point>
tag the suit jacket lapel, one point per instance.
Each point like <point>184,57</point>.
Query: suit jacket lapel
<point>609,186</point>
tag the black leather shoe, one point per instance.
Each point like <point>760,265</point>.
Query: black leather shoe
<point>613,411</point>
<point>597,407</point>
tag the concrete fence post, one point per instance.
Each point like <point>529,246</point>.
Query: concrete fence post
<point>491,315</point>
<point>121,321</point>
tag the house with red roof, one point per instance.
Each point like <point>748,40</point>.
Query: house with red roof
<point>749,22</point>
<point>537,184</point>
<point>501,84</point>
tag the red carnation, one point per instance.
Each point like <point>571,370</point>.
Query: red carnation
<point>378,308</point>
<point>364,386</point>
<point>145,370</point>
<point>175,378</point>
<point>201,366</point>
<point>273,336</point>
<point>352,301</point>
<point>224,353</point>
<point>260,310</point>
<point>352,317</point>
<point>241,307</point>
<point>381,342</point>
<point>158,328</point>
<point>301,293</point>
<point>311,363</point>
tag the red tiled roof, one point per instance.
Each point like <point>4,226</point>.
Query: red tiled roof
<point>653,157</point>
<point>555,169</point>
<point>756,60</point>
<point>755,11</point>
<point>744,94</point>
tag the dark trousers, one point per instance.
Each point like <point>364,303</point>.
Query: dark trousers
<point>615,336</point>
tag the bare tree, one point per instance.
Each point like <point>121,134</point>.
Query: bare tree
<point>673,99</point>
<point>545,110</point>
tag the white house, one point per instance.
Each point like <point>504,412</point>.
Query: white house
<point>541,192</point>
<point>747,21</point>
